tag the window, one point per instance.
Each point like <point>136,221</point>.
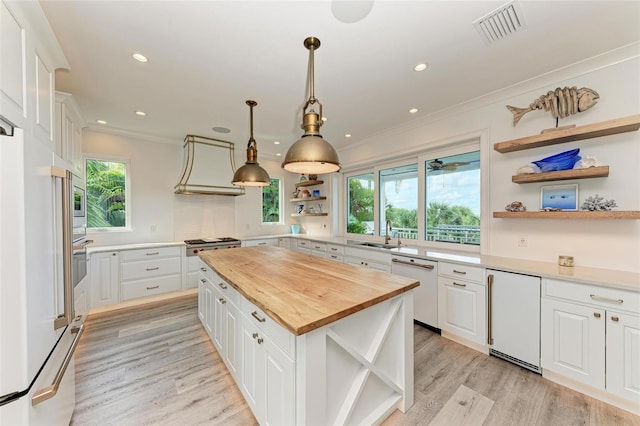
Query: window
<point>106,194</point>
<point>399,201</point>
<point>271,202</point>
<point>360,197</point>
<point>452,199</point>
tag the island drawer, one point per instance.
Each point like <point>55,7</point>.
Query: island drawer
<point>316,246</point>
<point>150,286</point>
<point>150,268</point>
<point>150,253</point>
<point>228,291</point>
<point>461,272</point>
<point>272,330</point>
<point>606,297</point>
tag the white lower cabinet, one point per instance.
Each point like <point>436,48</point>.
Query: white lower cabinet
<point>462,302</point>
<point>573,339</point>
<point>372,259</point>
<point>623,355</point>
<point>105,278</point>
<point>591,334</point>
<point>284,242</point>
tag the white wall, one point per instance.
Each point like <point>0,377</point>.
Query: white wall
<point>612,244</point>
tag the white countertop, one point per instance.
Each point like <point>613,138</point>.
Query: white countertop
<point>606,277</point>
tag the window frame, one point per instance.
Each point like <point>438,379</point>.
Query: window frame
<point>280,203</point>
<point>127,192</point>
<point>452,146</point>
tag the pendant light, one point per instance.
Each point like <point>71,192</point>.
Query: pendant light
<point>311,154</point>
<point>251,174</point>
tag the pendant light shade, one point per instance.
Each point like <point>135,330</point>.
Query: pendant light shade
<point>311,154</point>
<point>251,174</point>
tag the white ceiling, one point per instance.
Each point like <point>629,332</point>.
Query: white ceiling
<point>207,57</point>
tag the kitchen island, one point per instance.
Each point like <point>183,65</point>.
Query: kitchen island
<point>308,340</point>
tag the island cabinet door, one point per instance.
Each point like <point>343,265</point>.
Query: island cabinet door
<point>219,321</point>
<point>280,384</point>
<point>232,342</point>
<point>251,368</point>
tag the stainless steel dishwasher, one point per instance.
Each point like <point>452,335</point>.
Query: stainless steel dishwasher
<point>425,300</point>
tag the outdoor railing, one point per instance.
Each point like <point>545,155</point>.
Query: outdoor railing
<point>447,233</point>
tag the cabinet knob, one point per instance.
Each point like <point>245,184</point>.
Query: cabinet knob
<point>596,314</point>
<point>222,286</point>
<point>222,301</point>
<point>254,335</point>
<point>615,318</point>
<point>260,340</point>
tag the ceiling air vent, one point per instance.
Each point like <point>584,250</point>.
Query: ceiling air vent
<point>502,22</point>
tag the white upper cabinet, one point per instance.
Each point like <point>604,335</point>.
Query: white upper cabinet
<point>30,56</point>
<point>69,125</point>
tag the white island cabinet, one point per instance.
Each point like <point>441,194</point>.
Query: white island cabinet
<point>307,364</point>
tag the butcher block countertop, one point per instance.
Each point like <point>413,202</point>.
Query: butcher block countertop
<point>299,291</point>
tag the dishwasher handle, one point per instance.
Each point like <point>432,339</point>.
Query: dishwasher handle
<point>411,263</point>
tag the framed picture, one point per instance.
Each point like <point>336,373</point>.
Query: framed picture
<point>563,197</point>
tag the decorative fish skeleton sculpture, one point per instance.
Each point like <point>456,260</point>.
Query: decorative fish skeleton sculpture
<point>562,102</point>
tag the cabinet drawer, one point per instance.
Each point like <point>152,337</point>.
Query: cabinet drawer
<point>462,272</point>
<point>304,244</point>
<point>263,242</point>
<point>150,268</point>
<point>278,334</point>
<point>335,249</point>
<point>227,290</point>
<point>336,257</point>
<point>593,294</point>
<point>316,246</point>
<point>150,253</point>
<point>150,287</point>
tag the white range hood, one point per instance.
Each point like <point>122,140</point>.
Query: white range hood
<point>208,167</point>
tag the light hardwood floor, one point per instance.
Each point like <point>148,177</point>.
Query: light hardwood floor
<point>155,365</point>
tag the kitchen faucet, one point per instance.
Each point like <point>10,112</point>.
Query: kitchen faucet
<point>387,229</point>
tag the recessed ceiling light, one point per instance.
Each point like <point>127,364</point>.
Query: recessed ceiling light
<point>221,129</point>
<point>348,135</point>
<point>421,67</point>
<point>101,122</point>
<point>142,113</point>
<point>324,119</point>
<point>139,57</point>
<point>413,110</point>
<point>278,154</point>
<point>276,143</point>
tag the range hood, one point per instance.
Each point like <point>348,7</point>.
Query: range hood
<point>208,167</point>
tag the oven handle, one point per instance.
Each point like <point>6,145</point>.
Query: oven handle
<point>66,177</point>
<point>48,392</point>
<point>82,245</point>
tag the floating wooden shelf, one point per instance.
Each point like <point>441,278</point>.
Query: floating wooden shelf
<point>308,214</point>
<point>615,214</point>
<point>297,200</point>
<point>309,183</point>
<point>604,128</point>
<point>591,172</point>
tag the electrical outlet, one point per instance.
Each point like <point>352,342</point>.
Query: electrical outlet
<point>523,241</point>
<point>152,228</point>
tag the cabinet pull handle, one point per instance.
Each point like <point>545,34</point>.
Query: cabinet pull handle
<point>203,281</point>
<point>153,269</point>
<point>222,286</point>
<point>222,301</point>
<point>489,297</point>
<point>334,249</point>
<point>203,269</point>
<point>254,335</point>
<point>596,314</point>
<point>615,318</point>
<point>605,299</point>
<point>316,247</point>
<point>153,253</point>
<point>333,256</point>
<point>262,244</point>
<point>459,285</point>
<point>260,340</point>
<point>455,271</point>
<point>256,316</point>
<point>151,288</point>
<point>411,263</point>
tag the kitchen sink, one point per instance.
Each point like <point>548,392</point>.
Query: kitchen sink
<point>376,245</point>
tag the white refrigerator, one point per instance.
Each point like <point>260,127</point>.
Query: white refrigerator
<point>38,331</point>
<point>514,318</point>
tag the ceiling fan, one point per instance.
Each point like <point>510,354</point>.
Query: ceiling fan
<point>436,165</point>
